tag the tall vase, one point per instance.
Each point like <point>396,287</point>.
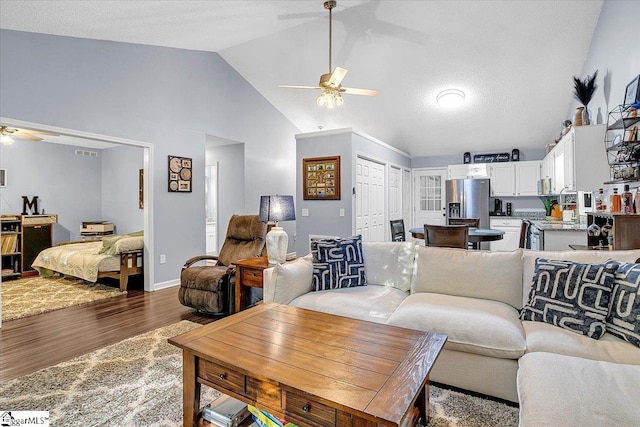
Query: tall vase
<point>585,117</point>
<point>577,117</point>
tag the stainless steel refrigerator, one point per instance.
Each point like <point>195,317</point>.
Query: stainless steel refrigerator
<point>468,198</point>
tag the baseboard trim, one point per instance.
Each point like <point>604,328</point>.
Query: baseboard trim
<point>165,285</point>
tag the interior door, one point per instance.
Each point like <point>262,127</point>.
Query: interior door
<point>370,201</point>
<point>395,193</point>
<point>429,196</point>
<point>406,196</point>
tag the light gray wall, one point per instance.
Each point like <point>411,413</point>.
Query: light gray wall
<point>439,161</point>
<point>120,168</point>
<point>66,184</point>
<point>75,187</point>
<point>230,159</point>
<point>615,53</point>
<point>171,98</point>
<point>324,215</point>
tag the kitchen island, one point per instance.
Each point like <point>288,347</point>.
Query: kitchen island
<point>557,235</point>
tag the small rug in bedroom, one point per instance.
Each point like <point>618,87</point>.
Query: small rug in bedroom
<point>138,382</point>
<point>35,295</point>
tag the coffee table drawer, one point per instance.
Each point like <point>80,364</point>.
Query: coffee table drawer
<point>221,375</point>
<point>309,409</point>
<point>251,277</point>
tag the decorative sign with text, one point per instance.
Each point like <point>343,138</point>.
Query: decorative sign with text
<point>491,158</point>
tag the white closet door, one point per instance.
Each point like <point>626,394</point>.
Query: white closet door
<point>370,203</point>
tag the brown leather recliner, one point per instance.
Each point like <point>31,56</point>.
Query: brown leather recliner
<point>209,288</point>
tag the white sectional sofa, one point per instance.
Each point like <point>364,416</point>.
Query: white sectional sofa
<point>475,298</point>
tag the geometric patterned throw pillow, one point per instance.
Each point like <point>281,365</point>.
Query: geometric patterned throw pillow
<point>337,263</point>
<point>624,315</point>
<point>571,295</point>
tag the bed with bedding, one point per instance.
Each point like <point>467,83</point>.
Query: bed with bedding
<point>118,257</point>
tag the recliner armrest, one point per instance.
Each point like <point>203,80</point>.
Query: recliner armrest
<point>195,259</point>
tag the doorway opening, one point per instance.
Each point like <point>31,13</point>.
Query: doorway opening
<point>147,177</point>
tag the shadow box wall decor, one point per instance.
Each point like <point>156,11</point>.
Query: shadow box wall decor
<point>179,174</point>
<point>321,178</point>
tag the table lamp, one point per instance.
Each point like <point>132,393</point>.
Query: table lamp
<point>273,209</point>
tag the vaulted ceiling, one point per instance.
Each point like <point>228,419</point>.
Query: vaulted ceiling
<point>513,59</point>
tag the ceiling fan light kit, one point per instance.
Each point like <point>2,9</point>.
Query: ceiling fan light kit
<point>450,98</point>
<point>6,139</point>
<point>332,91</point>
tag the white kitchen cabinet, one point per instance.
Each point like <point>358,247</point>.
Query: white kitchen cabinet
<point>457,171</point>
<point>527,177</point>
<point>511,239</point>
<point>578,161</point>
<point>515,178</point>
<point>468,171</point>
<point>503,179</point>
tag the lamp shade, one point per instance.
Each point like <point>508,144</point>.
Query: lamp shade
<point>276,208</point>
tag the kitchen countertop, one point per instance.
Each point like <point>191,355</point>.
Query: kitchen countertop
<point>559,226</point>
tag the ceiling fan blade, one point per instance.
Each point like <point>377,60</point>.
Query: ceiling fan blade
<point>300,87</point>
<point>336,76</point>
<point>40,132</point>
<point>354,91</point>
<point>25,135</point>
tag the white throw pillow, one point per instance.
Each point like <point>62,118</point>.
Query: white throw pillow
<point>389,263</point>
<point>292,279</point>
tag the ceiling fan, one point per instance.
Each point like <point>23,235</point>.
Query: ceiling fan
<point>332,90</point>
<point>7,132</point>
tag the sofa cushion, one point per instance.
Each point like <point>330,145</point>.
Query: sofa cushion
<point>574,296</point>
<point>338,263</point>
<point>529,261</point>
<point>543,337</point>
<point>389,263</point>
<point>478,274</point>
<point>374,303</point>
<point>624,313</point>
<point>473,325</point>
<point>557,390</point>
<point>291,280</point>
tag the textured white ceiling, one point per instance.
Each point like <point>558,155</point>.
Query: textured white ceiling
<point>514,59</point>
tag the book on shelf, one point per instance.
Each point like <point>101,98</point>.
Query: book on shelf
<point>226,411</point>
<point>265,419</point>
<point>9,243</point>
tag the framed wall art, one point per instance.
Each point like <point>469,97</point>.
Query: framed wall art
<point>321,178</point>
<point>632,92</point>
<point>179,174</point>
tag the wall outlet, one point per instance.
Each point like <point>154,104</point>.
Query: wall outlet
<point>341,211</point>
<point>163,259</point>
<point>305,212</point>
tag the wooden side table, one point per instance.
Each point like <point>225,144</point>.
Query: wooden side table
<point>248,274</point>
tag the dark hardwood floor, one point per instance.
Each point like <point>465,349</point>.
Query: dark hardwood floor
<point>36,342</point>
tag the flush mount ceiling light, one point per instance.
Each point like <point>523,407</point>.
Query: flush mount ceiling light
<point>450,98</point>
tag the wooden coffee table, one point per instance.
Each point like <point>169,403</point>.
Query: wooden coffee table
<point>311,368</point>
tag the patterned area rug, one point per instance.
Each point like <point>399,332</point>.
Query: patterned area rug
<point>138,382</point>
<point>35,295</point>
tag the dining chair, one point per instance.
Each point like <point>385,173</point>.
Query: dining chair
<point>471,222</point>
<point>397,230</point>
<point>447,236</point>
<point>524,232</point>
